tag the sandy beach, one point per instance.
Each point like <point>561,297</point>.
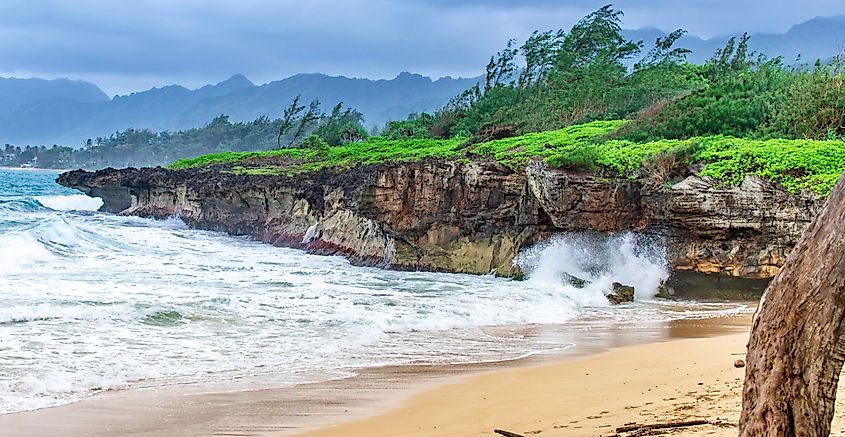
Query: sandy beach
<point>661,382</point>
<point>673,381</point>
<point>679,371</point>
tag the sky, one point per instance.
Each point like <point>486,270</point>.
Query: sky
<point>131,45</point>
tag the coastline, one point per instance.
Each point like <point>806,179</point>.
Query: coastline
<point>257,407</point>
<point>678,380</point>
<point>662,382</point>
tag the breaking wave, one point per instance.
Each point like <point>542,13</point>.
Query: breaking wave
<point>73,202</point>
<point>589,264</point>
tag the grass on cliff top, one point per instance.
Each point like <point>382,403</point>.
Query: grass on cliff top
<point>378,149</point>
<point>512,152</point>
<point>515,152</point>
<point>795,164</point>
<point>238,157</point>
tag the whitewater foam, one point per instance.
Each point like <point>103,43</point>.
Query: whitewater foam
<point>599,260</point>
<point>73,202</point>
<point>21,251</point>
<point>310,234</point>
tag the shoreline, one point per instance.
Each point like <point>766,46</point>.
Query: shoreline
<point>673,381</point>
<point>257,407</point>
<point>584,396</point>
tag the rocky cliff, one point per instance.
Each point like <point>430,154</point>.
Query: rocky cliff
<point>467,217</point>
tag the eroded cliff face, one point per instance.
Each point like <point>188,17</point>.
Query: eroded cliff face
<point>466,217</point>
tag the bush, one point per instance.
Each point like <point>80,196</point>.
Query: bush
<point>813,106</point>
<point>583,157</point>
<point>515,152</point>
<point>314,142</point>
<point>794,164</point>
<point>664,164</point>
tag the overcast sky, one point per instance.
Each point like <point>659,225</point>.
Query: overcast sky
<point>131,45</point>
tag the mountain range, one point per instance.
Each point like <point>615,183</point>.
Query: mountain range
<point>38,111</point>
<point>819,38</point>
<point>68,112</point>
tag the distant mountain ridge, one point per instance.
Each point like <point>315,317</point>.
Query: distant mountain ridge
<point>37,111</point>
<point>17,92</point>
<point>379,100</point>
<point>62,119</point>
<point>819,38</point>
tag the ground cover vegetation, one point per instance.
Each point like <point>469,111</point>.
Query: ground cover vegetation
<point>794,163</point>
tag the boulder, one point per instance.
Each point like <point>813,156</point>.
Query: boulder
<point>574,280</point>
<point>664,291</point>
<point>621,294</point>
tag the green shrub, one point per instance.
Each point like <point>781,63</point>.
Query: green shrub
<point>314,142</point>
<point>794,164</point>
<point>515,152</point>
<point>582,157</point>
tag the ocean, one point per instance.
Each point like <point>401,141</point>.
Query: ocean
<point>92,301</point>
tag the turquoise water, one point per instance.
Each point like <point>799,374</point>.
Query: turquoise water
<point>92,301</point>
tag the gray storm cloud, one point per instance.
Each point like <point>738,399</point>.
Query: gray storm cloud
<point>125,46</point>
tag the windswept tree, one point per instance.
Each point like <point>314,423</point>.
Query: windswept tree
<point>307,120</point>
<point>539,52</point>
<point>734,58</point>
<point>501,68</point>
<point>288,118</point>
<point>596,38</point>
<point>342,125</point>
<point>664,51</point>
<point>557,78</point>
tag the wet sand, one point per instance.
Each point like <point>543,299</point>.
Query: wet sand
<point>655,383</point>
<point>613,375</point>
<point>680,380</point>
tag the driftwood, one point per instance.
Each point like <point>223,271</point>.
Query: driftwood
<point>507,433</point>
<point>680,424</point>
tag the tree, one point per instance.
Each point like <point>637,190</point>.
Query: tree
<point>567,77</point>
<point>353,134</point>
<point>539,51</point>
<point>311,116</point>
<point>501,67</point>
<point>597,37</point>
<point>797,344</point>
<point>290,114</point>
<point>415,126</point>
<point>664,51</point>
<point>733,58</point>
<point>341,126</point>
<point>812,105</point>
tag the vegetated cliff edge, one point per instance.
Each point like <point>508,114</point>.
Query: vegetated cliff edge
<point>471,217</point>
